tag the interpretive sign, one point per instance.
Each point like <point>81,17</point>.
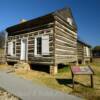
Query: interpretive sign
<point>81,70</point>
<point>86,70</point>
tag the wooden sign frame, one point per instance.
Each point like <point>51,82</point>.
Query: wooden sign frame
<point>87,70</point>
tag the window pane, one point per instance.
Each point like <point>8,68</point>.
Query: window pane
<point>39,45</point>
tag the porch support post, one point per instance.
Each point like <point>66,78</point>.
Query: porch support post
<point>91,77</point>
<point>83,62</point>
<point>77,63</point>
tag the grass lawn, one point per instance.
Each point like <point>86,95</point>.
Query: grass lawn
<point>3,66</point>
<point>63,81</point>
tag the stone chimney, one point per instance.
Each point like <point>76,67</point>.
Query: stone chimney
<point>23,20</point>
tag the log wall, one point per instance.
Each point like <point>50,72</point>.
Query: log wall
<point>81,51</point>
<point>48,59</point>
<point>65,43</point>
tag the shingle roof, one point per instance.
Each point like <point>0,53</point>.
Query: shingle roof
<point>84,43</point>
<point>40,21</point>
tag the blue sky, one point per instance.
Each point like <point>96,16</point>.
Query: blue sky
<point>86,13</point>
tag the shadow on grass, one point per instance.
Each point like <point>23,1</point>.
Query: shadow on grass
<point>66,82</point>
<point>69,82</point>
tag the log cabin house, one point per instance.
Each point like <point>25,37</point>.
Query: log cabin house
<point>84,52</point>
<point>48,40</point>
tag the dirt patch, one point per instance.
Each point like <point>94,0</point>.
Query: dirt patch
<point>4,95</point>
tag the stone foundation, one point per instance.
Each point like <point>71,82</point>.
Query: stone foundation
<point>22,66</point>
<point>53,70</point>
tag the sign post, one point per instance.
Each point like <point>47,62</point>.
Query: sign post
<point>87,70</point>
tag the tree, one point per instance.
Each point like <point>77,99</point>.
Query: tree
<point>2,39</point>
<point>96,48</point>
<point>96,51</point>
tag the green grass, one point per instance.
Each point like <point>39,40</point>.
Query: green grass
<point>88,93</point>
<point>63,69</point>
<point>97,64</point>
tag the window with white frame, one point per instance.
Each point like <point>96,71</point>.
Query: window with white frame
<point>69,20</point>
<point>11,48</point>
<point>41,45</point>
<point>87,52</point>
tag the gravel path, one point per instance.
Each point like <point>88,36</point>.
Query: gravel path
<point>27,90</point>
